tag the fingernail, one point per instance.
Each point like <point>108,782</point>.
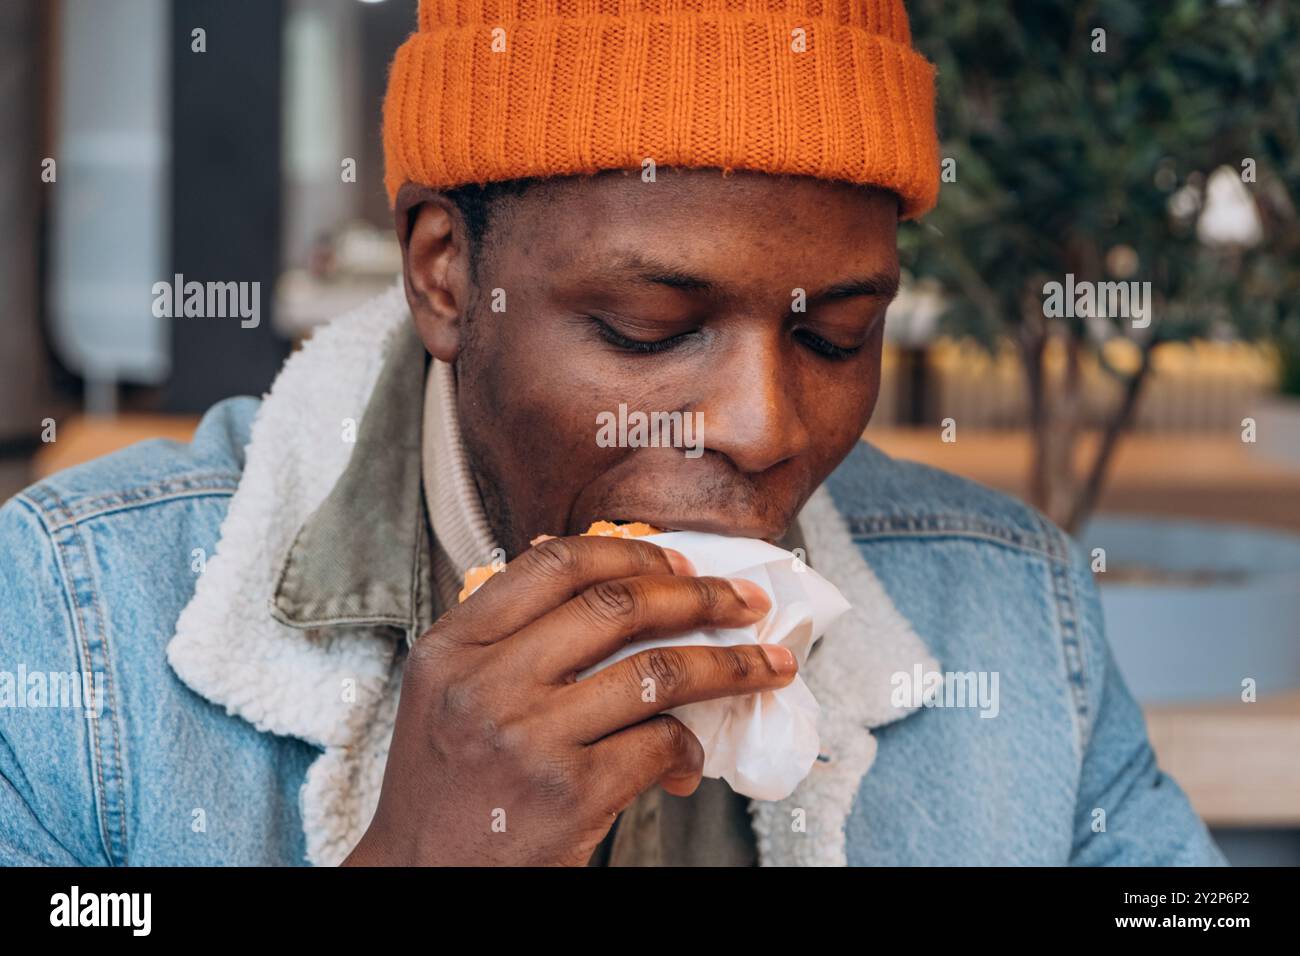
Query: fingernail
<point>680,563</point>
<point>780,657</point>
<point>755,597</point>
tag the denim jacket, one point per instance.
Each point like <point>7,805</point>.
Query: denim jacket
<point>175,690</point>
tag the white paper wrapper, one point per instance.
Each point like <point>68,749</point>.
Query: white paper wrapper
<point>761,744</point>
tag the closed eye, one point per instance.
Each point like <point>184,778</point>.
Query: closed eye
<point>810,339</point>
<point>617,339</point>
<point>822,347</point>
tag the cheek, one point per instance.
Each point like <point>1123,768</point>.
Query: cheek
<point>839,403</point>
<point>551,381</point>
<point>539,406</point>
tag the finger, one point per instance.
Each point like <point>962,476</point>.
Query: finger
<point>682,786</point>
<point>608,615</point>
<point>662,678</point>
<point>660,749</point>
<point>547,575</point>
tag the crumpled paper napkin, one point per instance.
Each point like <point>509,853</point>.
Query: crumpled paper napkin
<point>762,744</point>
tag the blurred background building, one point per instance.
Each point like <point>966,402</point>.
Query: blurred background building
<point>238,140</point>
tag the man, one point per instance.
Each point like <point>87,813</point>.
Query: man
<point>688,209</point>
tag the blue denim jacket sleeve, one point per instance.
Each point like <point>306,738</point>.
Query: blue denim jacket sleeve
<point>47,805</point>
<point>1129,812</point>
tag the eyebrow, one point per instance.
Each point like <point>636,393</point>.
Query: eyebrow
<point>883,284</point>
<point>649,270</point>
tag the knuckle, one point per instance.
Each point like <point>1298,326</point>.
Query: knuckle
<point>612,602</point>
<point>430,647</point>
<point>711,593</point>
<point>461,701</point>
<point>504,741</point>
<point>650,558</point>
<point>445,640</point>
<point>675,737</point>
<point>424,654</point>
<point>737,663</point>
<point>664,665</point>
<point>557,557</point>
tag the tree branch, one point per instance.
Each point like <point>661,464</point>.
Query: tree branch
<point>1091,492</point>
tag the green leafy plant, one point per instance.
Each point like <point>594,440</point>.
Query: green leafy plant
<point>1088,153</point>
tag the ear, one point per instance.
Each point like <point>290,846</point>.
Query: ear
<point>435,267</point>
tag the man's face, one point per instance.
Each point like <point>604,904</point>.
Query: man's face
<point>756,301</point>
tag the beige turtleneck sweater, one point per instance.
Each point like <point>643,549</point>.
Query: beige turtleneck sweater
<point>462,537</point>
<point>709,828</point>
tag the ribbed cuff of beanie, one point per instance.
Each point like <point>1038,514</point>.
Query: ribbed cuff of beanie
<point>571,96</point>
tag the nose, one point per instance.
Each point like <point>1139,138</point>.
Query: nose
<point>751,411</point>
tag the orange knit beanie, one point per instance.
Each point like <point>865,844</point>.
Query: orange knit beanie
<point>488,90</point>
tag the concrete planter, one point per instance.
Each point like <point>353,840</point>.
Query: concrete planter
<point>1193,608</point>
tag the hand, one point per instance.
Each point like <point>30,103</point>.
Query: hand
<point>500,757</point>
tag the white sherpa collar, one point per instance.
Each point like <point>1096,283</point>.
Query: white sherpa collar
<point>337,685</point>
